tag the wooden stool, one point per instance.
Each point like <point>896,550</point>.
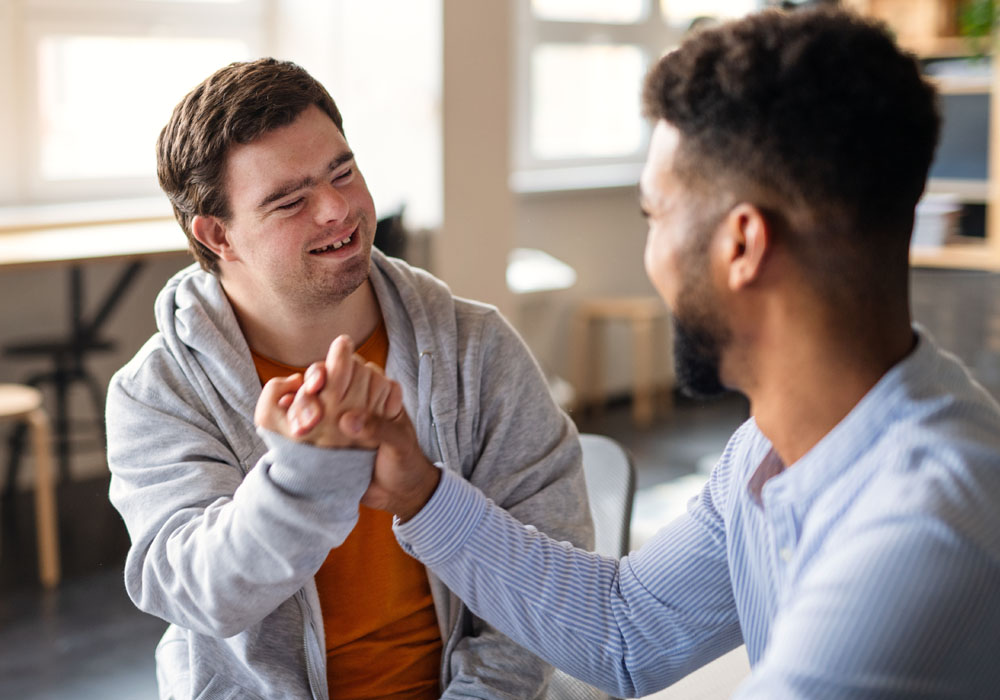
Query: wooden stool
<point>642,314</point>
<point>24,403</point>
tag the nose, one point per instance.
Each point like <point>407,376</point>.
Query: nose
<point>331,204</point>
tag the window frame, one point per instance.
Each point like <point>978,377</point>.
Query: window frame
<point>650,33</point>
<point>30,21</point>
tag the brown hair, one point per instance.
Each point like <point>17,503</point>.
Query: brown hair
<point>235,105</point>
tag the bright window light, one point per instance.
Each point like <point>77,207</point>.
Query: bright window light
<point>610,11</point>
<point>683,12</point>
<point>585,100</point>
<point>104,99</point>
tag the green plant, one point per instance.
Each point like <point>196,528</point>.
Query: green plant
<point>977,20</point>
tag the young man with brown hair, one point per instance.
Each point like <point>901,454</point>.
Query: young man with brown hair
<point>276,582</point>
<point>850,534</point>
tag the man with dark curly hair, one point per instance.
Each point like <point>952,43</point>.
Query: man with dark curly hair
<point>850,533</point>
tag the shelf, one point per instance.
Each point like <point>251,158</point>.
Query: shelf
<point>929,28</point>
<point>962,84</point>
<point>967,191</point>
<point>937,46</point>
<point>969,256</point>
<point>61,215</point>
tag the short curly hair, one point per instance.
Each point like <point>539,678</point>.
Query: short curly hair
<point>819,108</point>
<point>235,105</point>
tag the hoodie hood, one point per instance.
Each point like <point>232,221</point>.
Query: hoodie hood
<point>199,327</point>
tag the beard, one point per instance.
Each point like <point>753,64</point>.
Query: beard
<point>699,337</point>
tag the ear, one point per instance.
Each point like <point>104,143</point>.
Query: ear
<point>747,242</point>
<point>211,233</point>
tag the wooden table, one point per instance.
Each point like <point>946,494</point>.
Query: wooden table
<point>134,243</point>
<point>128,240</point>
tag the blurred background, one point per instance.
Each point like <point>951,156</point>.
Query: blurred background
<point>503,141</point>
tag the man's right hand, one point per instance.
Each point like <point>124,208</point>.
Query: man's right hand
<point>345,402</point>
<point>342,383</point>
<point>404,479</point>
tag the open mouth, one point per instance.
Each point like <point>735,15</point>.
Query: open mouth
<point>334,246</point>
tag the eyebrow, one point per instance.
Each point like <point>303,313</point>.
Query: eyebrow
<point>287,188</point>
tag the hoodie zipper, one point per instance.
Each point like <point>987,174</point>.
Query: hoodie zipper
<point>427,385</point>
<point>424,386</point>
<point>306,630</point>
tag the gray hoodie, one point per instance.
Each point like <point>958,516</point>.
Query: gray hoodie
<point>228,526</point>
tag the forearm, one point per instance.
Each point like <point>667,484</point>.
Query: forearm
<point>525,584</point>
<point>628,627</point>
<point>217,567</point>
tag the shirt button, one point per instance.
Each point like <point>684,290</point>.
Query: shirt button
<point>785,553</point>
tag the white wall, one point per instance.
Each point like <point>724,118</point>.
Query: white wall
<point>380,60</point>
<point>470,252</point>
<point>8,92</point>
<point>601,234</point>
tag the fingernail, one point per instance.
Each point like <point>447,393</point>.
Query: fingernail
<point>312,374</point>
<point>354,424</point>
<point>308,412</point>
<point>295,425</point>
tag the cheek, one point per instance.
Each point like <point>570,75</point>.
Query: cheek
<point>658,261</point>
<point>361,197</point>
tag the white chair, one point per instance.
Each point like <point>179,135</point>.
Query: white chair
<point>610,477</point>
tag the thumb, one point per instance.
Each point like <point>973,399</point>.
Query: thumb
<point>371,429</point>
<point>272,403</point>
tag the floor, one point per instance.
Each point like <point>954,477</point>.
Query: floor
<point>86,641</point>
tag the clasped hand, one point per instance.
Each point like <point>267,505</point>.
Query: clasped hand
<point>344,402</point>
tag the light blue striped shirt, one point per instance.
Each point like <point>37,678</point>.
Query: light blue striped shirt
<point>869,569</point>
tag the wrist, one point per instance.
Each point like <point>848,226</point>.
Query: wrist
<point>421,494</point>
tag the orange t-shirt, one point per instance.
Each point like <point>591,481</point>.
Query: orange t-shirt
<point>382,634</point>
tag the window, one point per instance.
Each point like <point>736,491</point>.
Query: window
<point>579,76</point>
<point>86,86</point>
<point>95,81</point>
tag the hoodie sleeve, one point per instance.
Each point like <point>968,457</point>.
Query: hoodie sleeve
<point>217,544</point>
<point>524,454</point>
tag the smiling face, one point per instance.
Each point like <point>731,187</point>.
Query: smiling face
<point>677,261</point>
<point>302,223</point>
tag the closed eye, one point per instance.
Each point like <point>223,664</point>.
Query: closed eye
<point>344,175</point>
<point>290,205</point>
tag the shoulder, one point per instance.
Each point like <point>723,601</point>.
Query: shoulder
<point>937,454</point>
<point>943,473</point>
<point>429,303</point>
<point>922,497</point>
<point>150,364</point>
<point>153,379</point>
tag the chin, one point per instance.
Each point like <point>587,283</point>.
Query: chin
<point>697,352</point>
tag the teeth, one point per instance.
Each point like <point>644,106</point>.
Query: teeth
<point>335,246</point>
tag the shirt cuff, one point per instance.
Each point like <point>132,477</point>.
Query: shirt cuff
<point>444,524</point>
<point>305,470</point>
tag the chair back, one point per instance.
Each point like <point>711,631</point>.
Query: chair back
<point>610,477</point>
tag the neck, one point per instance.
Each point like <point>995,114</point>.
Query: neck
<point>810,375</point>
<point>303,336</point>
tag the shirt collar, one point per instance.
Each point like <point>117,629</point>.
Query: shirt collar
<point>843,446</point>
